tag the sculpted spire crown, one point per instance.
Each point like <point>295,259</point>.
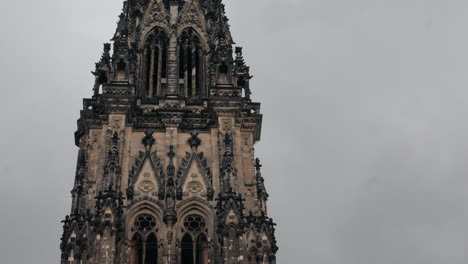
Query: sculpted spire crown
<point>177,49</point>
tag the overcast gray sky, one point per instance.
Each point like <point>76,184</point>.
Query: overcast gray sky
<point>365,136</point>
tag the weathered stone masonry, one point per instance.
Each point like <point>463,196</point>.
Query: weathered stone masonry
<point>166,169</point>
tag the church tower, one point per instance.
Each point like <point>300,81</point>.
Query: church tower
<point>166,170</point>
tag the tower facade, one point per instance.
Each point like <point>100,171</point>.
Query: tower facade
<point>166,169</point>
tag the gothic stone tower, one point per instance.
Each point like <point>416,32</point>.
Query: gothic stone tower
<point>166,171</point>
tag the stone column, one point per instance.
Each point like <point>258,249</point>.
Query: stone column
<point>193,69</point>
<point>172,76</point>
<point>151,76</point>
<point>159,74</point>
<point>186,69</point>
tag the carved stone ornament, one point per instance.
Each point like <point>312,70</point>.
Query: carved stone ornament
<point>148,139</point>
<point>156,14</point>
<point>194,187</point>
<point>194,141</point>
<point>146,186</point>
<point>190,15</point>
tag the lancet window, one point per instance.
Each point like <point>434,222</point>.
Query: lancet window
<point>252,256</point>
<point>194,242</point>
<point>155,55</point>
<point>144,243</point>
<point>190,64</point>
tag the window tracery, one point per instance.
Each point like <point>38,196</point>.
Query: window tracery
<point>194,242</point>
<point>194,223</point>
<point>145,223</point>
<point>144,243</point>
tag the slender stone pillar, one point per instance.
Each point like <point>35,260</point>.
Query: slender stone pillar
<point>186,54</point>
<point>172,71</point>
<point>151,76</point>
<point>172,76</point>
<point>159,74</point>
<point>193,70</point>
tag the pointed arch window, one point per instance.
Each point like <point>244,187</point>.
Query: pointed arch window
<point>266,255</point>
<point>194,242</point>
<point>151,249</point>
<point>187,249</point>
<point>252,257</point>
<point>136,255</point>
<point>190,64</point>
<point>233,250</point>
<point>144,244</point>
<point>155,55</point>
<point>202,250</point>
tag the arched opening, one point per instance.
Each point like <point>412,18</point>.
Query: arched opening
<point>252,256</point>
<point>223,74</point>
<point>144,244</point>
<point>151,250</point>
<point>232,243</point>
<point>121,70</point>
<point>266,256</point>
<point>187,255</point>
<point>190,64</point>
<point>155,63</point>
<point>195,247</point>
<point>136,250</point>
<point>202,250</point>
<point>102,80</point>
<point>241,82</point>
<point>194,253</point>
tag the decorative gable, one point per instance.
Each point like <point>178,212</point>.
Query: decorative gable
<point>232,218</point>
<point>146,180</point>
<point>145,177</point>
<point>155,14</point>
<point>194,177</point>
<point>191,15</point>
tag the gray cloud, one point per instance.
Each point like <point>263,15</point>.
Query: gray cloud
<point>365,135</point>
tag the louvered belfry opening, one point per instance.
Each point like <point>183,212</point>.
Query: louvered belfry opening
<point>155,63</point>
<point>190,64</point>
